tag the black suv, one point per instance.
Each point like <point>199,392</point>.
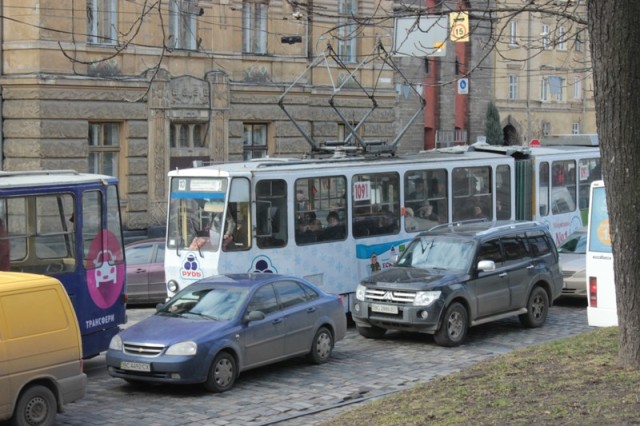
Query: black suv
<point>456,276</point>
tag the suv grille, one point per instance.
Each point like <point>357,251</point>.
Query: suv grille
<point>144,350</point>
<point>390,296</point>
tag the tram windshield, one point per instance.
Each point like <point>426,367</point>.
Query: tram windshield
<point>207,214</point>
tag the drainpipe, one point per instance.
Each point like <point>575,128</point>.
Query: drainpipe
<point>528,78</point>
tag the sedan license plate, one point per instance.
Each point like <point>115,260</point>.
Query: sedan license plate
<point>135,366</point>
<point>385,309</point>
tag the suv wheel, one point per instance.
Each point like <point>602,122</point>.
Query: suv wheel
<point>537,308</point>
<point>454,326</point>
<point>372,332</point>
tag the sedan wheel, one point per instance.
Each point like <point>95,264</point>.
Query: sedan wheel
<point>222,373</point>
<point>322,346</point>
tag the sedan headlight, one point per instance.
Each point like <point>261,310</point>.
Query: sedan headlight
<point>426,298</point>
<point>116,343</point>
<point>360,291</point>
<point>183,348</point>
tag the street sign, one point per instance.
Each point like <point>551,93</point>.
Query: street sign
<point>459,23</point>
<point>463,86</point>
<point>421,36</point>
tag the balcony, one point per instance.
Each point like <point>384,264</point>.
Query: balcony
<point>446,138</point>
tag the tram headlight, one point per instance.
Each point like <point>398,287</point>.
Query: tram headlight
<point>360,291</point>
<point>172,286</point>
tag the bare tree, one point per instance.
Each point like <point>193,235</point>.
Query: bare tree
<point>613,30</point>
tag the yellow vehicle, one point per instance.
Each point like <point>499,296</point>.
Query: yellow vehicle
<point>40,349</point>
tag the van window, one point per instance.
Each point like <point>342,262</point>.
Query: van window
<point>46,302</point>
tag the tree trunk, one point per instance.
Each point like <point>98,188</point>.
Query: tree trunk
<point>614,31</point>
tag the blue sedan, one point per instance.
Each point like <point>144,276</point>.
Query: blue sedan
<point>225,324</point>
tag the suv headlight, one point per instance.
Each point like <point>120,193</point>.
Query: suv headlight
<point>183,348</point>
<point>360,291</point>
<point>426,298</point>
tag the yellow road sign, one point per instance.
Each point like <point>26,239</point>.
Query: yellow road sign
<point>459,25</point>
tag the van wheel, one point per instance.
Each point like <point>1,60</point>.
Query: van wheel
<point>372,332</point>
<point>222,374</point>
<point>36,406</point>
<point>537,309</point>
<point>454,326</point>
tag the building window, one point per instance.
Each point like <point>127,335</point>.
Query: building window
<point>544,89</point>
<point>183,24</point>
<point>513,87</point>
<point>347,28</point>
<point>346,136</point>
<point>546,128</point>
<point>575,128</point>
<point>561,39</point>
<point>513,33</point>
<point>545,36</point>
<point>104,148</point>
<point>254,27</point>
<point>577,87</point>
<point>102,21</point>
<point>187,135</point>
<point>578,43</point>
<point>255,141</point>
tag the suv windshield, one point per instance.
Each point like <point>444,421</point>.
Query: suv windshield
<point>439,252</point>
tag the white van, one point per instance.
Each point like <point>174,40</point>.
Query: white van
<point>40,349</point>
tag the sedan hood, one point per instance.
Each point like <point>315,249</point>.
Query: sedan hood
<point>167,330</point>
<point>413,278</point>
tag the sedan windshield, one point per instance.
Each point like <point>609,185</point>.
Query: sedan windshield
<point>218,303</point>
<point>576,243</point>
<point>441,253</point>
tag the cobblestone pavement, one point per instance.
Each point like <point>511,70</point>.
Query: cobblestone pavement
<point>297,393</point>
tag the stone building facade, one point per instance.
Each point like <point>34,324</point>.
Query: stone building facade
<point>126,89</point>
<point>111,87</point>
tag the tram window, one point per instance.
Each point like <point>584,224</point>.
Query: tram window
<point>563,186</point>
<point>40,236</point>
<point>543,189</point>
<point>320,209</point>
<point>271,213</point>
<point>91,223</point>
<point>588,171</point>
<point>425,199</point>
<point>376,204</point>
<point>503,192</point>
<point>472,189</point>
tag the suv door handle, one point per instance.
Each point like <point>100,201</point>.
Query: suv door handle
<point>531,266</point>
<point>504,274</point>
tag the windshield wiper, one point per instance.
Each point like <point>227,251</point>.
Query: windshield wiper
<point>168,314</point>
<point>200,314</point>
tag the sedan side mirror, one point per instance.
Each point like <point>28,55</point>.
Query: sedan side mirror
<point>254,316</point>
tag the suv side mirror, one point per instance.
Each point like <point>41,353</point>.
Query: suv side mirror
<point>486,266</point>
